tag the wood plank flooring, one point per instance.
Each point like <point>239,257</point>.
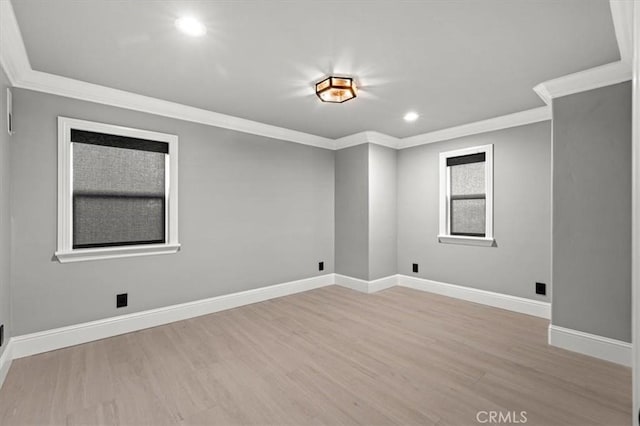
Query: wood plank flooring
<point>330,356</point>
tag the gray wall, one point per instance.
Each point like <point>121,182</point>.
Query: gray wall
<point>592,211</point>
<point>256,211</point>
<point>5,215</point>
<point>522,215</point>
<point>253,212</point>
<point>352,211</point>
<point>383,223</point>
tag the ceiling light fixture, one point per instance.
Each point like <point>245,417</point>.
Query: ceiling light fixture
<point>411,116</point>
<point>191,26</point>
<point>336,89</point>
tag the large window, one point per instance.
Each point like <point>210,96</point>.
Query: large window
<point>466,196</point>
<point>117,193</point>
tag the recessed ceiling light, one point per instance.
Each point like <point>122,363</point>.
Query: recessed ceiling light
<point>191,26</point>
<point>411,116</point>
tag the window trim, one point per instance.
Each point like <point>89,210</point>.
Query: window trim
<point>65,251</point>
<point>444,234</point>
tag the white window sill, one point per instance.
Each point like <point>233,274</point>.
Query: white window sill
<point>81,255</point>
<point>465,240</point>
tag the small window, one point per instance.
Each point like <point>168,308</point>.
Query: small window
<point>117,191</point>
<point>466,196</point>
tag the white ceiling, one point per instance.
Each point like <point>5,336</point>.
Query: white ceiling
<point>454,62</point>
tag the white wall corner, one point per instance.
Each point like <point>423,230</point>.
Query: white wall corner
<point>5,362</point>
<point>521,305</point>
<point>593,345</point>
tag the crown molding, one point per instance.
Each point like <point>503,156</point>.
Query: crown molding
<point>70,88</point>
<point>14,60</point>
<point>350,140</point>
<point>622,15</point>
<point>367,137</point>
<point>383,139</point>
<point>593,78</point>
<point>521,118</point>
<point>544,94</point>
<point>604,75</point>
<point>13,55</point>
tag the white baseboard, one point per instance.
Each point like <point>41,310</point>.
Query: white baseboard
<point>5,362</point>
<point>44,341</point>
<point>591,344</point>
<point>365,286</point>
<point>498,300</point>
<point>383,283</point>
<point>353,283</point>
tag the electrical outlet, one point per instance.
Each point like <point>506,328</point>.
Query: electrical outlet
<point>541,288</point>
<point>415,268</point>
<point>320,266</point>
<point>121,300</point>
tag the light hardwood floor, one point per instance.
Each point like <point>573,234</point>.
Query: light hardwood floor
<point>328,356</point>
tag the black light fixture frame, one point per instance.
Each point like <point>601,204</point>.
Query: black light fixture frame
<point>330,86</point>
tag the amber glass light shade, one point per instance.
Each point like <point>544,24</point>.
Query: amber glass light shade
<point>336,89</point>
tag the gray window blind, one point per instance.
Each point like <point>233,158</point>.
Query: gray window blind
<point>118,190</point>
<point>467,206</point>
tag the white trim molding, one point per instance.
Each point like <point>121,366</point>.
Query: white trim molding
<point>521,305</point>
<point>15,61</point>
<point>365,286</point>
<point>604,75</point>
<point>593,78</point>
<point>82,255</point>
<point>13,54</point>
<point>466,241</point>
<point>44,341</point>
<point>367,137</point>
<point>590,344</point>
<point>351,140</point>
<point>5,361</point>
<point>383,283</point>
<point>622,15</point>
<point>516,119</point>
<point>65,251</point>
<point>444,235</point>
<point>356,284</point>
<point>62,86</point>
